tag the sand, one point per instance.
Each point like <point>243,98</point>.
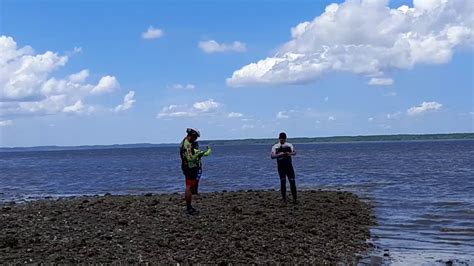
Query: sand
<point>232,227</point>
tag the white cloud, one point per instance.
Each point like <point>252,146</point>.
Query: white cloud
<point>208,107</point>
<point>212,46</point>
<point>331,118</point>
<point>282,115</point>
<point>27,87</point>
<point>370,119</point>
<point>128,101</point>
<point>326,99</point>
<point>248,126</point>
<point>424,107</point>
<point>78,107</point>
<point>234,115</point>
<point>183,87</point>
<point>106,84</point>
<point>21,72</point>
<point>80,76</point>
<point>381,81</point>
<point>152,33</point>
<point>6,123</point>
<point>365,37</point>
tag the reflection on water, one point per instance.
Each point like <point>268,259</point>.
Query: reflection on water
<point>423,192</point>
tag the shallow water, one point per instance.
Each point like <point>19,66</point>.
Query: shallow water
<point>423,191</point>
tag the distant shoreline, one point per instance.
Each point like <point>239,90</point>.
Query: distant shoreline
<point>263,141</point>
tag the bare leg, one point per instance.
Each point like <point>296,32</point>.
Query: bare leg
<point>188,197</point>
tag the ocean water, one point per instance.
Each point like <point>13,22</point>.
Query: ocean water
<point>423,191</point>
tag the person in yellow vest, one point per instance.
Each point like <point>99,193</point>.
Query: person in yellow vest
<point>191,164</point>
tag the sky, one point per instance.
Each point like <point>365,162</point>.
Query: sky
<point>117,72</point>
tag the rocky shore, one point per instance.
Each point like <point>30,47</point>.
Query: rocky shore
<point>232,227</point>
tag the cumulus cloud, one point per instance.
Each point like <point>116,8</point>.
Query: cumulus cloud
<point>152,33</point>
<point>6,123</point>
<point>212,46</point>
<point>207,107</point>
<point>381,81</point>
<point>128,102</point>
<point>28,88</point>
<point>424,107</point>
<point>331,118</point>
<point>80,76</point>
<point>365,37</point>
<point>106,84</point>
<point>78,107</point>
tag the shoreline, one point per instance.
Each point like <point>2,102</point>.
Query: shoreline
<point>232,227</point>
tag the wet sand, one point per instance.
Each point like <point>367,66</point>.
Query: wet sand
<point>232,227</point>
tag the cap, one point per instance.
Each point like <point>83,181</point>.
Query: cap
<point>193,131</point>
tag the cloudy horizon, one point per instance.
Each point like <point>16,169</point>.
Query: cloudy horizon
<point>329,68</point>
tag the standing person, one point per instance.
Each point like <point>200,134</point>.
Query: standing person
<point>190,164</point>
<point>282,152</point>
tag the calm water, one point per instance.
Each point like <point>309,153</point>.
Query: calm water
<point>423,192</point>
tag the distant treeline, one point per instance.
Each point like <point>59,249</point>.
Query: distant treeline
<point>401,137</point>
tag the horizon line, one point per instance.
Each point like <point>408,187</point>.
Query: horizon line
<point>238,139</point>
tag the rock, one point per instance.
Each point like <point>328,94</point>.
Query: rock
<point>8,242</point>
<point>122,222</point>
<point>148,194</point>
<point>237,209</point>
<point>234,228</point>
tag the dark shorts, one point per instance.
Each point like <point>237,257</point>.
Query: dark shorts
<point>190,173</point>
<point>286,171</point>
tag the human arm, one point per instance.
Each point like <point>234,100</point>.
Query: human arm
<point>203,153</point>
<point>276,154</point>
<point>292,153</point>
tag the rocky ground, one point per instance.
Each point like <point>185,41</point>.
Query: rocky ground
<point>232,227</point>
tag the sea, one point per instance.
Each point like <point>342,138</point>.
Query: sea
<point>422,191</point>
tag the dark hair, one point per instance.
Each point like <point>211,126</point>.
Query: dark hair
<point>282,135</point>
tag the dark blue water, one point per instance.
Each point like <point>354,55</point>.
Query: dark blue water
<point>423,192</point>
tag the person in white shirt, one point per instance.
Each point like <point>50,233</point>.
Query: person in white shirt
<point>282,152</point>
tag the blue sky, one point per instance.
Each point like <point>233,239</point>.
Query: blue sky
<point>239,69</point>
